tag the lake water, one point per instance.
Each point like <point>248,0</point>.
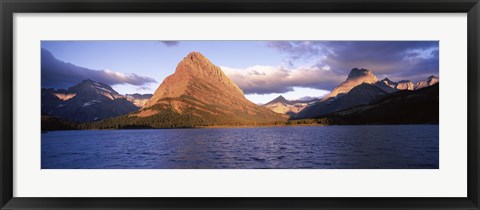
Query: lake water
<point>320,147</point>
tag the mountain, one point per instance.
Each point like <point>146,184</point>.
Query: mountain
<point>358,95</point>
<point>92,89</point>
<point>194,76</point>
<point>138,99</point>
<point>284,106</point>
<point>389,86</point>
<point>403,107</point>
<point>198,93</point>
<point>432,80</point>
<point>279,99</point>
<point>355,78</point>
<point>85,102</point>
<point>361,87</point>
<point>405,85</point>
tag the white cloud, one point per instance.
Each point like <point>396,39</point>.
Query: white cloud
<point>276,79</point>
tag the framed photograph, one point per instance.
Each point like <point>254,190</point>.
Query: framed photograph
<point>239,105</point>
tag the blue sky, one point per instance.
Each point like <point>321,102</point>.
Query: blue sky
<point>263,69</point>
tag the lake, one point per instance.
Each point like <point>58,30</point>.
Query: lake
<point>289,147</point>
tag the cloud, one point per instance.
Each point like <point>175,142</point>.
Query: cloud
<point>170,43</point>
<point>324,64</point>
<point>143,88</point>
<point>397,59</point>
<point>59,74</point>
<point>269,79</point>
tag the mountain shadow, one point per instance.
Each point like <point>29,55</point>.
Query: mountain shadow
<point>403,107</point>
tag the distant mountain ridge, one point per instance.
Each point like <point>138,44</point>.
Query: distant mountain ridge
<point>284,106</point>
<point>279,99</point>
<point>389,86</point>
<point>361,87</point>
<point>432,80</point>
<point>85,102</point>
<point>138,99</point>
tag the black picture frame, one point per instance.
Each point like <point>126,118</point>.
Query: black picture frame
<point>10,7</point>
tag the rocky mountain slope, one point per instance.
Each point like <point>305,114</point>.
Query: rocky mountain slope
<point>355,78</point>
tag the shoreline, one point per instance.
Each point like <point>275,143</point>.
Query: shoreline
<point>259,126</point>
<point>243,126</point>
